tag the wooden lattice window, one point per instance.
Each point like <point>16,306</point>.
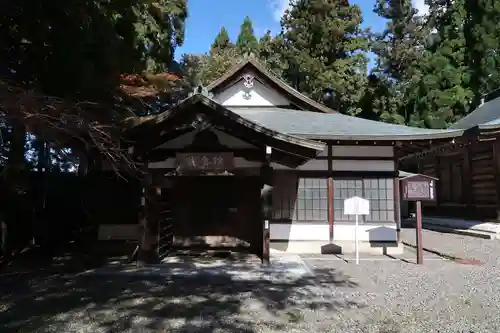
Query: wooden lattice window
<point>312,200</point>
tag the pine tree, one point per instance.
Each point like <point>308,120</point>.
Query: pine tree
<point>325,47</point>
<point>398,48</point>
<point>222,41</point>
<point>270,54</point>
<point>247,42</point>
<point>441,83</point>
<point>482,35</point>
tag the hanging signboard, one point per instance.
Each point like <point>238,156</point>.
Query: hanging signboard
<point>419,188</point>
<point>205,161</point>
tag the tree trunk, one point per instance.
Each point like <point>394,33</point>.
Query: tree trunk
<point>43,166</point>
<point>15,180</point>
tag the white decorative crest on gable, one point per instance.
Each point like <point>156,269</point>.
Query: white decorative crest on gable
<point>248,81</point>
<point>250,91</point>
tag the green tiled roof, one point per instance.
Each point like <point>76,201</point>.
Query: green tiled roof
<point>335,126</point>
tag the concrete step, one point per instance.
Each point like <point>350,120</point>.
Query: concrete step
<point>465,232</point>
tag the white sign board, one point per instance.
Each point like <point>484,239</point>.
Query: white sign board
<point>356,206</point>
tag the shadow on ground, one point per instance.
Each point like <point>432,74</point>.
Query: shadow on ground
<point>54,300</point>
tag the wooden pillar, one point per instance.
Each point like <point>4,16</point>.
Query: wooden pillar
<point>439,196</point>
<point>267,205</point>
<point>467,182</point>
<point>331,207</point>
<point>397,196</point>
<point>266,214</point>
<point>418,230</point>
<point>397,208</point>
<point>496,168</point>
<point>148,242</point>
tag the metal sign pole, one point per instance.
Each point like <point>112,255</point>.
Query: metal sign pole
<point>356,240</point>
<point>420,258</point>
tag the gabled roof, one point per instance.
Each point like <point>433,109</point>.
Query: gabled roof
<point>487,114</point>
<point>234,75</point>
<point>298,149</point>
<point>336,126</point>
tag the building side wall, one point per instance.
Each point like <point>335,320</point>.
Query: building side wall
<point>301,200</point>
<point>468,182</point>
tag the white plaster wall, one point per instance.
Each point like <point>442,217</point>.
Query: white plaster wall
<point>341,232</point>
<point>258,95</point>
<point>363,165</point>
<point>363,151</point>
<point>311,165</point>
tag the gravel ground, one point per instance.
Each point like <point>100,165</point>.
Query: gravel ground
<point>465,247</point>
<point>385,296</point>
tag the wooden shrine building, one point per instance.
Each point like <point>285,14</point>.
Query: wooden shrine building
<point>249,162</point>
<point>468,167</point>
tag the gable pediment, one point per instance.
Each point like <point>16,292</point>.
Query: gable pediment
<point>249,90</point>
<point>250,84</point>
<point>225,139</point>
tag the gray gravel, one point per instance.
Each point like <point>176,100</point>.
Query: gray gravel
<point>385,296</point>
<point>461,246</point>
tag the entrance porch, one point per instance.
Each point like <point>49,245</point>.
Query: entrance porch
<point>217,212</point>
<point>207,176</point>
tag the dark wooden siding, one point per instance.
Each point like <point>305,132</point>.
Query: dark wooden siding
<point>467,183</point>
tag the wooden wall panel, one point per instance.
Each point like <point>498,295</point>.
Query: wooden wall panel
<point>428,168</point>
<point>483,177</point>
<point>467,183</point>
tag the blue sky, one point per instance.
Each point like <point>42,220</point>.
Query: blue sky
<point>207,16</point>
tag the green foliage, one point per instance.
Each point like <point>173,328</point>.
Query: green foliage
<point>482,35</point>
<point>190,66</point>
<point>247,42</point>
<point>440,92</point>
<point>78,49</point>
<point>221,42</point>
<point>429,69</point>
<point>438,66</point>
<point>271,53</point>
<point>214,66</point>
<point>399,47</point>
<point>324,47</point>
